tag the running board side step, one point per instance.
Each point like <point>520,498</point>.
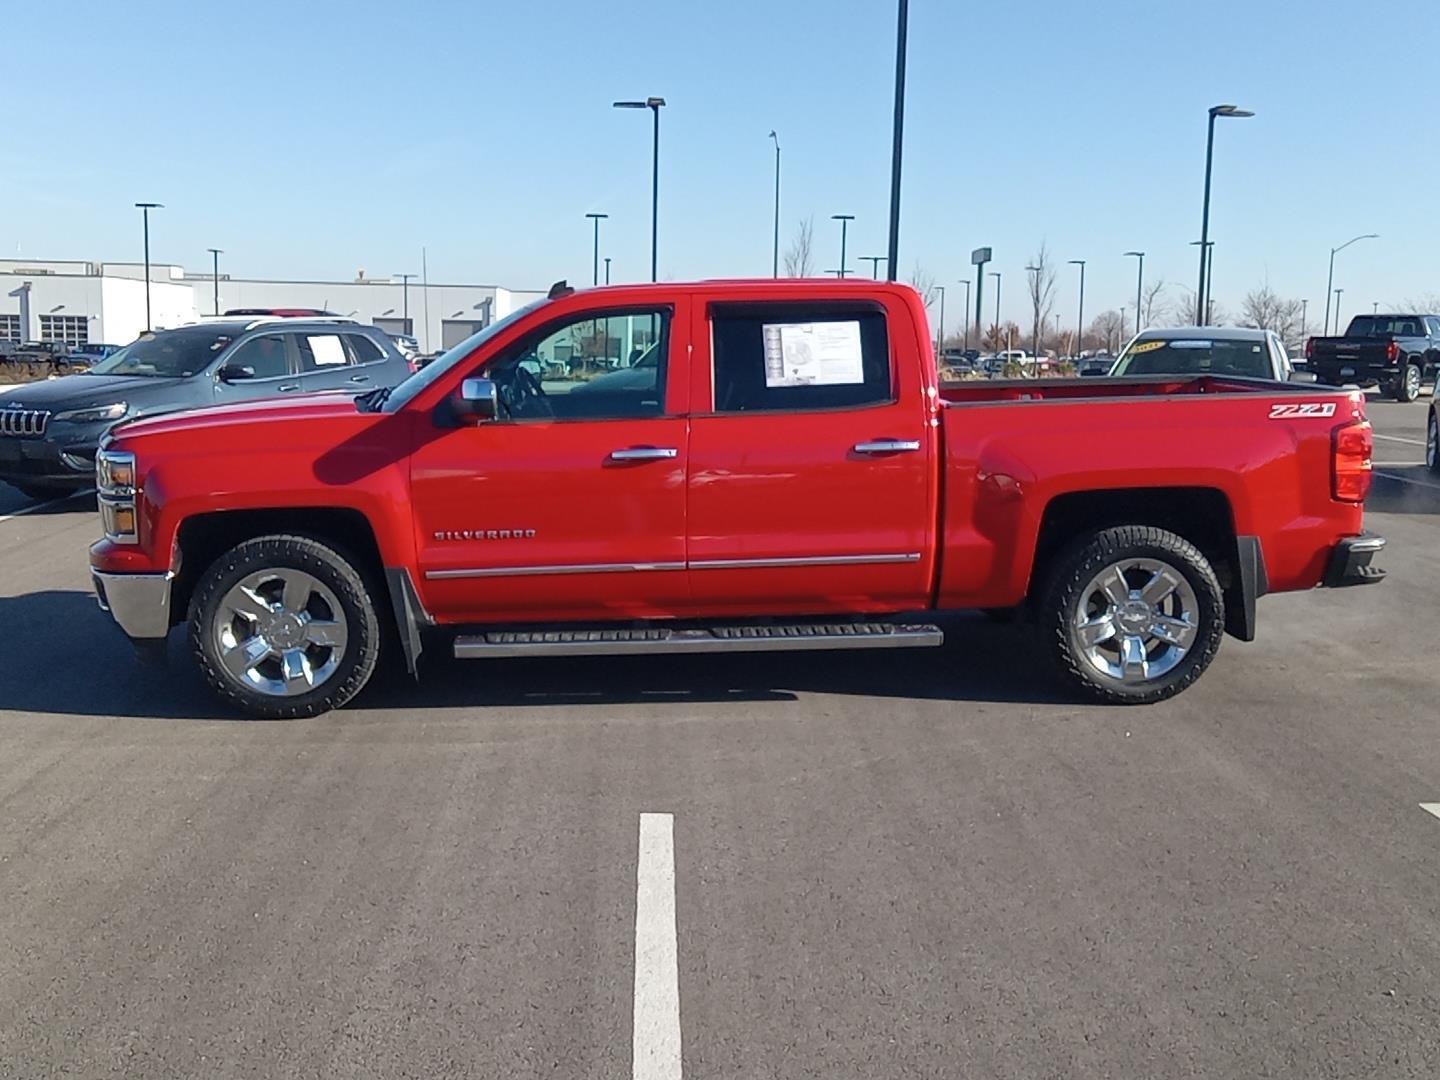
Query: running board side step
<point>799,638</point>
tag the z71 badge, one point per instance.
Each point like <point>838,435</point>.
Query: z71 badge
<point>1304,408</point>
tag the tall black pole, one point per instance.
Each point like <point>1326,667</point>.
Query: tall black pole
<point>655,200</point>
<point>775,257</point>
<point>215,254</point>
<point>145,208</point>
<point>966,312</point>
<point>1205,222</point>
<point>595,257</point>
<point>897,139</point>
<point>405,301</point>
<point>843,226</point>
<point>1329,286</point>
<point>607,269</point>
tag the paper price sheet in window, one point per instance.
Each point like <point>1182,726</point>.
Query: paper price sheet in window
<point>813,354</point>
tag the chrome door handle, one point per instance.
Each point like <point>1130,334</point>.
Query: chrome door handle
<point>888,446</point>
<point>359,378</point>
<point>644,453</point>
<point>289,387</point>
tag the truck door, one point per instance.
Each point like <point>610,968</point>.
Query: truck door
<point>571,505</point>
<point>813,469</point>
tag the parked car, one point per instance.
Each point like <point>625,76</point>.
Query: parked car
<point>1090,366</point>
<point>1400,353</point>
<point>35,352</point>
<point>788,475</point>
<point>83,357</point>
<point>1208,350</point>
<point>49,430</point>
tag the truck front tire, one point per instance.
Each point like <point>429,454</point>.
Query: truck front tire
<point>284,627</point>
<point>1133,614</point>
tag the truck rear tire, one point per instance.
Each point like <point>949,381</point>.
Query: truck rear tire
<point>284,627</point>
<point>1407,385</point>
<point>1432,442</point>
<point>1133,614</point>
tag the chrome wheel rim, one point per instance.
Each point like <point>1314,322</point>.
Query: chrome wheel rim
<point>280,632</point>
<point>1412,381</point>
<point>1136,620</point>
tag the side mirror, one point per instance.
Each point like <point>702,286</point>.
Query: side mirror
<point>236,373</point>
<point>1304,377</point>
<point>479,400</point>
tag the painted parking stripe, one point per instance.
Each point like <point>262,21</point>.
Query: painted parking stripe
<point>655,1048</point>
<point>1398,438</point>
<point>1407,480</point>
<point>41,506</point>
<point>1398,464</point>
<point>1431,808</point>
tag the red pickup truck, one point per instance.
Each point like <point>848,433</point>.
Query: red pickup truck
<point>723,466</point>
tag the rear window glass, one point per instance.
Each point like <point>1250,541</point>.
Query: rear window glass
<point>1384,326</point>
<point>1195,356</point>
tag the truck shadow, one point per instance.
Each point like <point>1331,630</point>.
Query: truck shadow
<point>63,657</point>
<point>1404,489</point>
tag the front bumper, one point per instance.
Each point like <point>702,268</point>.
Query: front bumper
<point>65,455</point>
<point>139,603</point>
<point>1350,562</point>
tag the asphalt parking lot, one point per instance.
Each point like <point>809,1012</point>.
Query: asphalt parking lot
<point>926,864</point>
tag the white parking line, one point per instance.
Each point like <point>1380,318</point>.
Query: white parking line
<point>655,1047</point>
<point>41,506</point>
<point>1398,464</point>
<point>1407,480</point>
<point>1397,438</point>
<point>1431,808</point>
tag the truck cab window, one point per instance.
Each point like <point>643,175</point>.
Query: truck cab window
<point>788,357</point>
<point>602,366</point>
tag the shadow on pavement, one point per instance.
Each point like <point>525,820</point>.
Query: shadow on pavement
<point>63,657</point>
<point>1407,489</point>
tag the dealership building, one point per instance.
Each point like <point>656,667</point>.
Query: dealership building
<point>86,302</point>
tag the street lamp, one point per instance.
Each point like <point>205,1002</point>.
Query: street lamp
<point>996,275</point>
<point>654,104</point>
<point>1215,110</point>
<point>1139,283</point>
<point>897,138</point>
<point>595,256</point>
<point>405,300</point>
<point>874,261</point>
<point>1337,307</point>
<point>966,310</point>
<point>607,269</point>
<point>940,334</point>
<point>1304,310</point>
<point>1207,305</point>
<point>215,254</point>
<point>1329,284</point>
<point>776,256</point>
<point>145,208</point>
<point>1080,320</point>
<point>1375,308</point>
<point>844,220</point>
<point>1035,295</point>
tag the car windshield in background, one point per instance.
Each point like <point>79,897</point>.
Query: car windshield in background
<point>1195,356</point>
<point>1384,326</point>
<point>167,354</point>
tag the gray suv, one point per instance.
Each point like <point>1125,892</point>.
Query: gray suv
<point>49,430</point>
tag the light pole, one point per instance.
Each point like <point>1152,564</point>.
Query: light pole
<point>595,256</point>
<point>1330,282</point>
<point>874,261</point>
<point>1215,110</point>
<point>1337,307</point>
<point>607,269</point>
<point>844,220</point>
<point>1304,310</point>
<point>1207,256</point>
<point>1080,319</point>
<point>1035,295</point>
<point>996,275</point>
<point>654,104</point>
<point>776,256</point>
<point>215,254</point>
<point>145,208</point>
<point>966,310</point>
<point>1139,283</point>
<point>940,334</point>
<point>897,138</point>
<point>405,300</point>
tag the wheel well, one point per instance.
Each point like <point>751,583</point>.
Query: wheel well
<point>205,537</point>
<point>1200,515</point>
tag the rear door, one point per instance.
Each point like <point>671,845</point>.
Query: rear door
<point>812,458</point>
<point>327,362</point>
<point>571,506</point>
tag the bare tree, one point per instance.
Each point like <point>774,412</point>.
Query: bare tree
<point>1264,309</point>
<point>923,282</point>
<point>1000,336</point>
<point>1152,296</point>
<point>1182,310</point>
<point>799,255</point>
<point>1042,293</point>
<point>1107,331</point>
<point>1427,304</point>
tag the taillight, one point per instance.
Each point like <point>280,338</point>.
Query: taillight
<point>1353,446</point>
<point>1309,348</point>
<point>1392,352</point>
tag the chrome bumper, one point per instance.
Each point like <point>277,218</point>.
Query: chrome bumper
<point>140,603</point>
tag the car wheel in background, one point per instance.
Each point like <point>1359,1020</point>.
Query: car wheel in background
<point>1432,442</point>
<point>1407,387</point>
<point>283,627</point>
<point>1133,614</point>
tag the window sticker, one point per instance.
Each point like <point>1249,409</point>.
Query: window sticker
<point>1146,346</point>
<point>813,354</point>
<point>328,351</point>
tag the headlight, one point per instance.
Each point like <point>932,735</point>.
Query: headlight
<point>115,478</point>
<point>95,415</point>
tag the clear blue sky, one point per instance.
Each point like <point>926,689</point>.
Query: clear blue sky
<point>310,139</point>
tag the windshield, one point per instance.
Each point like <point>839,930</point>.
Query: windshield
<point>1384,326</point>
<point>432,372</point>
<point>167,353</point>
<point>1195,356</point>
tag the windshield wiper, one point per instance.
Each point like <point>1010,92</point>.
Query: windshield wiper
<point>373,400</point>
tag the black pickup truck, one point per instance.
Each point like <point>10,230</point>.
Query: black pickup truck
<point>1398,353</point>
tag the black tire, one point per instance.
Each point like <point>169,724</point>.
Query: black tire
<point>1407,383</point>
<point>333,569</point>
<point>1002,615</point>
<point>1078,566</point>
<point>1432,441</point>
<point>44,492</point>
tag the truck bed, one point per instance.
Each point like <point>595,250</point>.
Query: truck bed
<point>988,391</point>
